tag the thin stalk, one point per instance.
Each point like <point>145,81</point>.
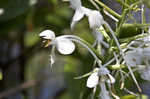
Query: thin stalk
<point>121,52</point>
<point>96,6</point>
<point>85,44</point>
<point>138,25</point>
<point>108,9</point>
<point>131,7</point>
<point>109,62</point>
<point>121,22</point>
<point>143,16</point>
<point>93,94</point>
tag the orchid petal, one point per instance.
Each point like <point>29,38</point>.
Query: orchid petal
<point>65,46</point>
<point>78,15</point>
<point>73,23</point>
<point>47,34</point>
<point>111,79</point>
<point>75,3</point>
<point>92,80</point>
<point>95,19</point>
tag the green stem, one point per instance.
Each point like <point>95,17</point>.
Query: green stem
<point>116,15</point>
<point>132,7</point>
<point>85,44</point>
<point>122,3</point>
<point>143,15</point>
<point>121,22</point>
<point>129,39</point>
<point>136,25</point>
<point>95,51</point>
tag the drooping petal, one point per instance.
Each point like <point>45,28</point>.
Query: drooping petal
<point>111,79</point>
<point>47,34</point>
<point>79,14</point>
<point>92,80</point>
<point>73,23</point>
<point>64,46</point>
<point>75,4</point>
<point>95,19</point>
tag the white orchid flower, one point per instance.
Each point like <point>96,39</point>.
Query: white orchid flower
<point>134,57</point>
<point>62,44</point>
<point>94,17</point>
<point>100,76</point>
<point>93,79</point>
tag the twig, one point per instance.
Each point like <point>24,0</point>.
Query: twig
<point>18,88</point>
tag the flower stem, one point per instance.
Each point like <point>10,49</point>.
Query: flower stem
<point>85,44</point>
<point>124,13</point>
<point>108,9</point>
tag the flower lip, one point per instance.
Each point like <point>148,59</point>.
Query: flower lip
<point>47,36</point>
<point>47,42</point>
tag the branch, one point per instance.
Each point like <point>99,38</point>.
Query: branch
<point>21,87</point>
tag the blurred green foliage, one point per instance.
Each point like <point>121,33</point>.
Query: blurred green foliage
<point>147,3</point>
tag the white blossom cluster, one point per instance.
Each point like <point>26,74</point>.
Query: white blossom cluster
<point>136,54</point>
